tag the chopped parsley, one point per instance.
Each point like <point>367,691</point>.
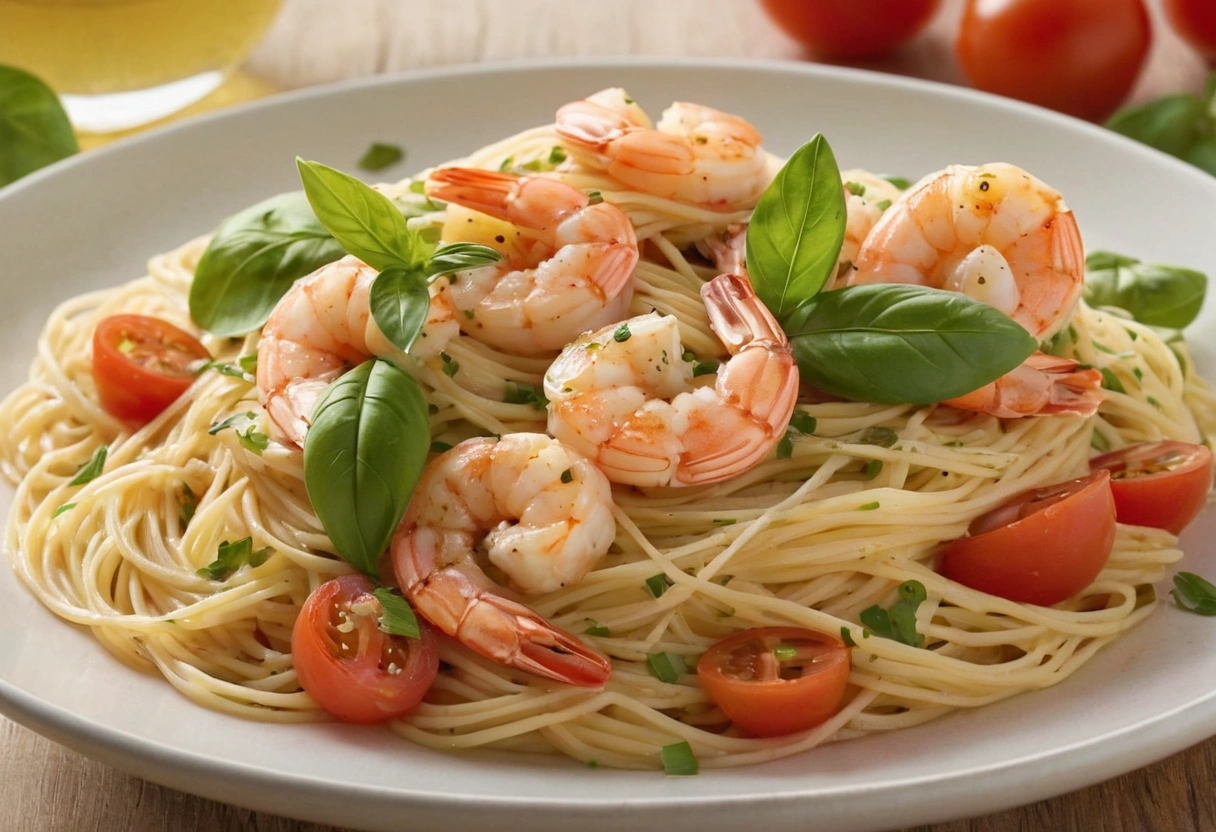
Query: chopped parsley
<point>232,556</point>
<point>704,368</point>
<point>803,422</point>
<point>666,667</point>
<point>899,622</point>
<point>520,392</point>
<point>92,469</point>
<point>567,476</point>
<point>622,334</point>
<point>785,448</point>
<point>856,189</point>
<point>657,584</point>
<point>678,759</point>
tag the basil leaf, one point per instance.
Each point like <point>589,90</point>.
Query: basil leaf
<point>396,617</point>
<point>92,469</point>
<point>252,261</point>
<point>1202,154</point>
<point>1158,295</point>
<point>380,156</point>
<point>400,303</point>
<point>797,229</point>
<point>459,257</point>
<point>1194,594</point>
<point>898,343</point>
<point>34,129</point>
<point>363,455</point>
<point>1170,124</point>
<point>364,221</point>
<point>232,556</point>
<point>898,623</point>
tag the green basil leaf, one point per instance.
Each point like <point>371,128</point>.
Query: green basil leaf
<point>796,230</point>
<point>400,302</point>
<point>380,156</point>
<point>1158,295</point>
<point>364,221</point>
<point>1202,154</point>
<point>34,129</point>
<point>897,343</point>
<point>252,261</point>
<point>92,469</point>
<point>363,455</point>
<point>232,556</point>
<point>396,616</point>
<point>459,257</point>
<point>1170,124</point>
<point>1193,593</point>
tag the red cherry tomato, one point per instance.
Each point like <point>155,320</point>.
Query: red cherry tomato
<point>142,364</point>
<point>1076,56</point>
<point>1158,484</point>
<point>1041,547</point>
<point>776,680</point>
<point>365,674</point>
<point>851,28</point>
<point>1195,20</point>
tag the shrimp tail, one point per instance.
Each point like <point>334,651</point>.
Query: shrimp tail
<point>738,317</point>
<point>486,191</point>
<point>535,645</point>
<point>1043,385</point>
<point>1074,389</point>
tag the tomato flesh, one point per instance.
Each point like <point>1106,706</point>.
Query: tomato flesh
<point>851,28</point>
<point>1159,484</point>
<point>1077,56</point>
<point>1042,547</point>
<point>142,364</point>
<point>1195,21</point>
<point>772,681</point>
<point>352,668</point>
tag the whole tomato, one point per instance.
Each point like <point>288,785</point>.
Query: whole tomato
<point>1077,56</point>
<point>851,28</point>
<point>1195,20</point>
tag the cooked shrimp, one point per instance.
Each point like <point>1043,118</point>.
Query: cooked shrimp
<point>866,197</point>
<point>1042,385</point>
<point>319,329</point>
<point>994,233</point>
<point>580,278</point>
<point>695,154</point>
<point>624,397</point>
<point>541,512</point>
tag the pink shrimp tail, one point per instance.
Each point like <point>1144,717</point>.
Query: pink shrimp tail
<point>1043,385</point>
<point>589,124</point>
<point>486,191</point>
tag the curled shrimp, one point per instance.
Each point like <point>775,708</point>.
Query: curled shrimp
<point>695,154</point>
<point>544,515</point>
<point>578,277</point>
<point>994,233</point>
<point>1001,236</point>
<point>624,397</point>
<point>319,329</point>
<point>866,197</point>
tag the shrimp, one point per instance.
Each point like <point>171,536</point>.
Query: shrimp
<point>994,233</point>
<point>1042,385</point>
<point>695,154</point>
<point>998,235</point>
<point>624,397</point>
<point>319,329</point>
<point>542,512</point>
<point>580,278</point>
<point>866,197</point>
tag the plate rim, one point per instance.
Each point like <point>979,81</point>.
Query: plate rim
<point>1141,743</point>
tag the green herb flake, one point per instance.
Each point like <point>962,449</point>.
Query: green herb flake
<point>595,198</point>
<point>622,334</point>
<point>63,508</point>
<point>803,422</point>
<point>785,652</point>
<point>253,441</point>
<point>92,469</point>
<point>557,155</point>
<point>232,556</point>
<point>438,447</point>
<point>883,204</point>
<point>596,629</point>
<point>507,163</point>
<point>231,421</point>
<point>688,355</point>
<point>450,366</point>
<point>1111,381</point>
<point>657,584</point>
<point>189,504</point>
<point>846,635</point>
<point>396,617</point>
<point>249,363</point>
<point>380,156</point>
<point>126,345</point>
<point>1194,594</point>
<point>899,182</point>
<point>520,392</point>
<point>704,368</point>
<point>869,506</point>
<point>872,468</point>
<point>418,186</point>
<point>666,667</point>
<point>567,476</point>
<point>899,622</point>
<point>785,448</point>
<point>855,188</point>
<point>724,521</point>
<point>880,436</point>
<point>678,759</point>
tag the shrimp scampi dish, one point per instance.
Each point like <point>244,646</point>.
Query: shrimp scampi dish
<point>576,445</point>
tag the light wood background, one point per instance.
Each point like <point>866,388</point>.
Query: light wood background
<point>46,787</point>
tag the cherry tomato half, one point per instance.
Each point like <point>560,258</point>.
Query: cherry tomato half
<point>141,364</point>
<point>1041,547</point>
<point>352,668</point>
<point>850,28</point>
<point>1195,21</point>
<point>1159,484</point>
<point>1076,56</point>
<point>776,680</point>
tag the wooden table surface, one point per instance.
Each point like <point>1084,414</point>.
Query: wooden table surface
<point>46,787</point>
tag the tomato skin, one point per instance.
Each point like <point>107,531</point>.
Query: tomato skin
<point>1195,21</point>
<point>1042,547</point>
<point>1077,56</point>
<point>773,707</point>
<point>1162,499</point>
<point>357,688</point>
<point>850,28</point>
<point>158,365</point>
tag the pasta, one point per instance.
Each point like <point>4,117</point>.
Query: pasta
<point>810,537</point>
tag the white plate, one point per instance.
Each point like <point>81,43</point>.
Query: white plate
<point>93,221</point>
